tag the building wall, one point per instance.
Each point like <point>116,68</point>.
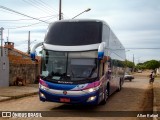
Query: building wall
<point>21,66</point>
<point>27,72</point>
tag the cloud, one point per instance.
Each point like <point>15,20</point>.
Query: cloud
<point>135,22</point>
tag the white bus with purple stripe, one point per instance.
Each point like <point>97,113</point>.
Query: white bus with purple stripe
<point>83,62</point>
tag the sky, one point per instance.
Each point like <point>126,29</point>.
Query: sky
<point>136,23</point>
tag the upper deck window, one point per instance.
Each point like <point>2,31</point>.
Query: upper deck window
<point>74,33</point>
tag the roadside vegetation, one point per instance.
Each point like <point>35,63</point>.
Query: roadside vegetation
<point>151,64</point>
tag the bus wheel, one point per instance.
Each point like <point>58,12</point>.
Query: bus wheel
<point>106,95</point>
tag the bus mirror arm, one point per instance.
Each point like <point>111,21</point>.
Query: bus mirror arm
<point>33,51</point>
<point>101,49</point>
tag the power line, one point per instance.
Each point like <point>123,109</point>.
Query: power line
<point>142,48</point>
<point>44,6</point>
<point>28,19</point>
<point>28,25</point>
<point>24,26</point>
<point>35,5</point>
<point>136,48</point>
<point>9,12</point>
<point>47,5</point>
<point>22,14</point>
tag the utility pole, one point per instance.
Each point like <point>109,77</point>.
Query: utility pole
<point>133,62</point>
<point>1,33</point>
<point>8,36</point>
<point>29,42</point>
<point>60,7</point>
<point>133,58</point>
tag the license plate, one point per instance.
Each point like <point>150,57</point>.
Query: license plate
<point>64,100</point>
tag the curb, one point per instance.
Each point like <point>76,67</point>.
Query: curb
<point>18,96</point>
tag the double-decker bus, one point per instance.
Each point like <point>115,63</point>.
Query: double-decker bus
<point>82,62</point>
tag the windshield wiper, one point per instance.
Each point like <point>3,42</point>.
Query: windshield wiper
<point>65,77</point>
<point>46,78</point>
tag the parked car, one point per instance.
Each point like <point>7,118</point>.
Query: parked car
<point>139,71</point>
<point>129,77</point>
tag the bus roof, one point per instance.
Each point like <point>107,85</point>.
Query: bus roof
<point>81,20</point>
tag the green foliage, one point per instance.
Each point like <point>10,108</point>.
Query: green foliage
<point>118,63</point>
<point>130,64</point>
<point>152,64</point>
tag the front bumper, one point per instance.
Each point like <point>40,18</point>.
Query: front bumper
<point>86,98</point>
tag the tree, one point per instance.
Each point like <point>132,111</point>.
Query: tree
<point>151,64</point>
<point>129,64</point>
<point>141,66</point>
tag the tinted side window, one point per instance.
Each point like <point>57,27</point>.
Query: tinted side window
<point>74,33</point>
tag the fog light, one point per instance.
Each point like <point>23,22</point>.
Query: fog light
<point>42,95</point>
<point>92,98</point>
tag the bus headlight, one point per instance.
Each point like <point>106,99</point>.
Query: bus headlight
<point>91,89</point>
<point>43,87</point>
<point>92,98</point>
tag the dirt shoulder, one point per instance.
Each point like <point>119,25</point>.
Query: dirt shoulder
<point>157,93</point>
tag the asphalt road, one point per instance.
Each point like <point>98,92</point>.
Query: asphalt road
<point>134,96</point>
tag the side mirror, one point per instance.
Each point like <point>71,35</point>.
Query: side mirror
<point>33,52</point>
<point>101,51</point>
<point>33,56</point>
<point>100,55</point>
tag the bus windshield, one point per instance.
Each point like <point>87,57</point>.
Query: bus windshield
<point>70,67</point>
<point>74,33</point>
